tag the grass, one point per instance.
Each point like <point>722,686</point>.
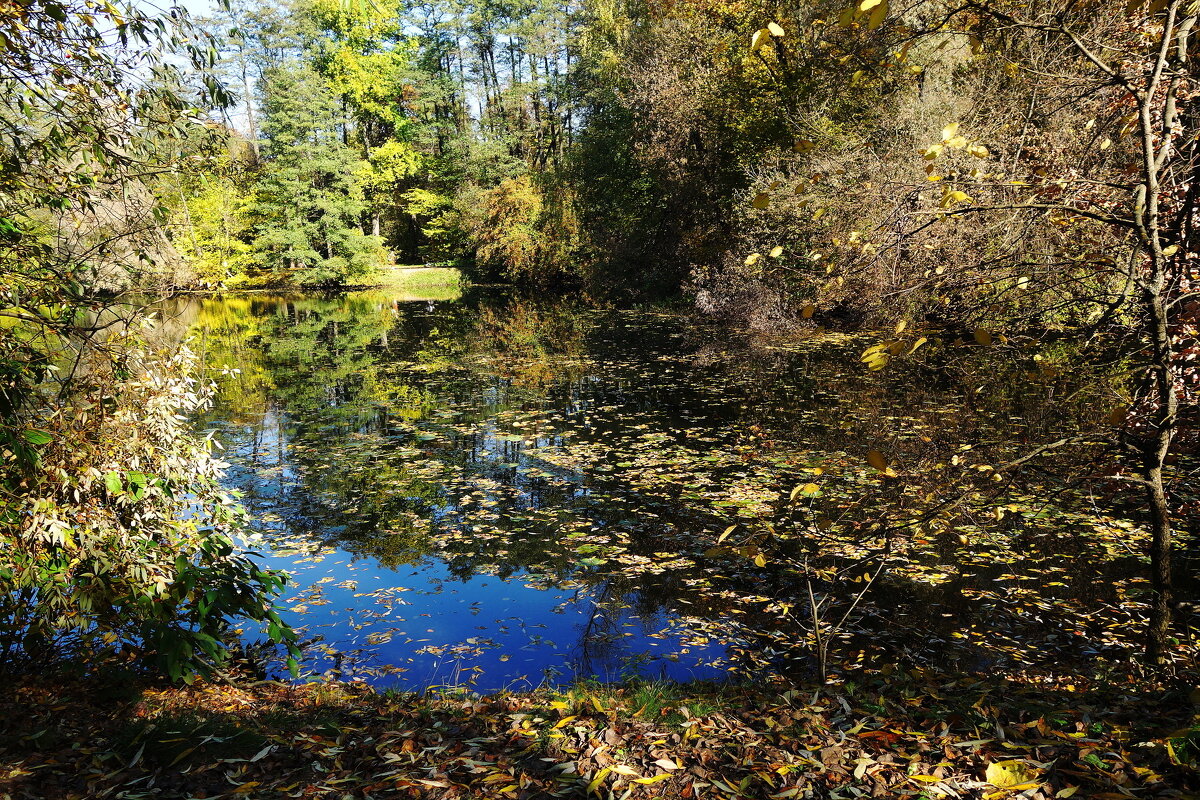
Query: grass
<point>422,283</point>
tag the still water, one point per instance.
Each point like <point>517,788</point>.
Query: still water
<point>502,493</point>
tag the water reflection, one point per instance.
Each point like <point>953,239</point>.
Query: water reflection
<point>499,492</point>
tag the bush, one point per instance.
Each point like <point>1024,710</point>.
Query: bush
<point>116,535</point>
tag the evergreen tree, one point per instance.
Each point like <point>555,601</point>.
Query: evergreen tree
<point>309,201</point>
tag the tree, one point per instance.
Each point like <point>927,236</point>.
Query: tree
<point>113,530</point>
<point>309,202</point>
<point>1131,217</point>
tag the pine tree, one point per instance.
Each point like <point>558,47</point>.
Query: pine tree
<point>309,201</point>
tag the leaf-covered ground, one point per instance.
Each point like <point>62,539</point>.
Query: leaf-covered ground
<point>895,735</point>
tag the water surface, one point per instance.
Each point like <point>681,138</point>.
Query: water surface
<point>501,492</point>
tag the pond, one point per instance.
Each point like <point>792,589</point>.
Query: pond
<point>499,493</point>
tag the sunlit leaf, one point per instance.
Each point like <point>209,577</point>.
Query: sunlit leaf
<point>775,29</point>
<point>1007,774</point>
<point>878,15</point>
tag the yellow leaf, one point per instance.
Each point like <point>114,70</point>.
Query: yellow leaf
<point>917,344</point>
<point>752,259</point>
<point>776,251</point>
<point>901,325</point>
<point>1068,792</point>
<point>725,535</point>
<point>810,488</point>
<point>599,779</point>
<point>953,196</point>
<point>807,311</point>
<point>982,337</point>
<point>761,37</point>
<point>803,145</point>
<point>655,779</point>
<point>957,142</point>
<point>1170,250</point>
<point>978,150</point>
<point>759,561</point>
<point>1007,774</point>
<point>564,721</point>
<point>867,5</point>
<point>877,460</point>
<point>949,131</point>
<point>933,151</point>
<point>775,29</point>
<point>878,15</point>
<point>761,200</point>
<point>1105,143</point>
<point>621,769</point>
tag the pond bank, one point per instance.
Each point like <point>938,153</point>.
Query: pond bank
<point>913,734</point>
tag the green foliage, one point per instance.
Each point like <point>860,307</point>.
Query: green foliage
<point>308,203</point>
<point>113,535</point>
<point>502,224</point>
